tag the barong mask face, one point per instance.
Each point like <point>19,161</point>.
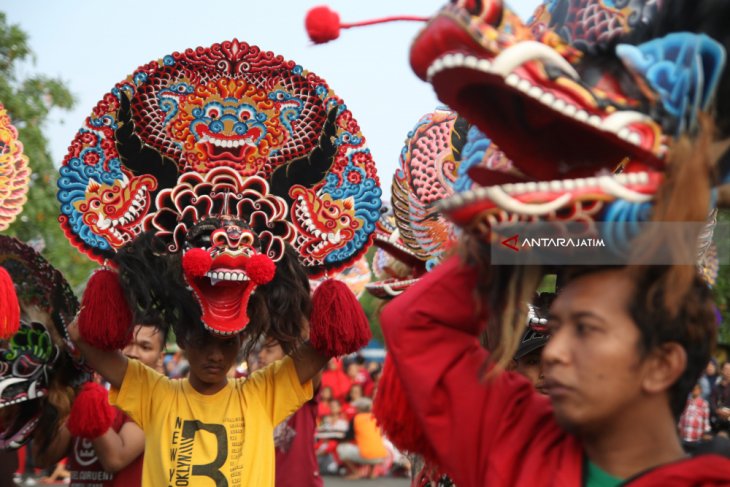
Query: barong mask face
<point>36,362</point>
<point>25,366</point>
<point>567,102</point>
<point>227,131</point>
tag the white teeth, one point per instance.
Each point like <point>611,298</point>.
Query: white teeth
<point>624,133</point>
<point>449,61</point>
<point>535,92</point>
<point>634,138</point>
<point>543,186</point>
<point>103,223</point>
<point>522,52</point>
<point>434,68</point>
<point>470,62</point>
<point>559,105</point>
<point>569,185</point>
<point>570,110</point>
<point>484,65</point>
<point>547,98</point>
<point>613,187</point>
<point>617,122</point>
<point>524,85</point>
<point>582,116</point>
<point>531,187</point>
<point>556,186</point>
<point>513,205</point>
<point>512,80</point>
<point>594,120</point>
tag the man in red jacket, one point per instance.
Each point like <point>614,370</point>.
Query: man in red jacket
<point>617,372</point>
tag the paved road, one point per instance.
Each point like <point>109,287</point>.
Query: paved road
<point>384,482</point>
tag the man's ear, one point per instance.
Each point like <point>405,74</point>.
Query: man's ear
<point>663,367</point>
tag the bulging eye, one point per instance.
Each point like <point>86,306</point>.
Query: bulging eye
<point>281,96</point>
<point>212,112</point>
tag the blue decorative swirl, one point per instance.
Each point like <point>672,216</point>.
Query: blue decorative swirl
<point>367,208</point>
<point>472,154</point>
<point>622,223</point>
<point>73,181</point>
<point>683,69</point>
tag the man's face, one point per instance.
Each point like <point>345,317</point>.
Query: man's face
<point>270,353</point>
<point>211,357</point>
<point>146,346</point>
<point>726,372</point>
<point>530,366</point>
<point>593,369</point>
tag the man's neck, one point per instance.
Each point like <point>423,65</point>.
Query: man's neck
<point>635,442</point>
<point>206,388</point>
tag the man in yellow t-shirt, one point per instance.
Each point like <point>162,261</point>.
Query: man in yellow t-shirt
<point>207,430</point>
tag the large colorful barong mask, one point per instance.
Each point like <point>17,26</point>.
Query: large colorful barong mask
<point>14,172</point>
<point>227,106</point>
<point>567,102</point>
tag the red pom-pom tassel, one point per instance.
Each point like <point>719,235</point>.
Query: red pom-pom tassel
<point>196,262</point>
<point>91,414</point>
<point>338,324</point>
<point>9,307</point>
<point>393,413</point>
<point>260,269</point>
<point>322,24</point>
<point>105,321</point>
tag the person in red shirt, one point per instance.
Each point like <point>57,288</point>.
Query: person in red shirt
<point>694,424</point>
<point>296,460</point>
<point>617,373</point>
<point>336,379</point>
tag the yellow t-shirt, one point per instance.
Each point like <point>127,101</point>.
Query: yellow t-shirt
<point>223,439</point>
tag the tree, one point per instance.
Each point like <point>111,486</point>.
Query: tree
<point>28,100</point>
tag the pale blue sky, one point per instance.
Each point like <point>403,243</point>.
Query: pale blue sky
<point>93,44</point>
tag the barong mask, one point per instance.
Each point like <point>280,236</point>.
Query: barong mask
<point>36,365</point>
<point>224,132</point>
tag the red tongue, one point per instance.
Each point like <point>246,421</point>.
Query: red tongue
<point>223,304</point>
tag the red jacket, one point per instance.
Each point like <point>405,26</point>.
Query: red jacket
<point>497,433</point>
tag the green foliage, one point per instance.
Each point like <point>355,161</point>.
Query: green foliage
<point>371,304</point>
<point>721,289</point>
<point>29,99</point>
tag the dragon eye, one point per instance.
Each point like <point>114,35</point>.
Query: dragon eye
<point>212,112</point>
